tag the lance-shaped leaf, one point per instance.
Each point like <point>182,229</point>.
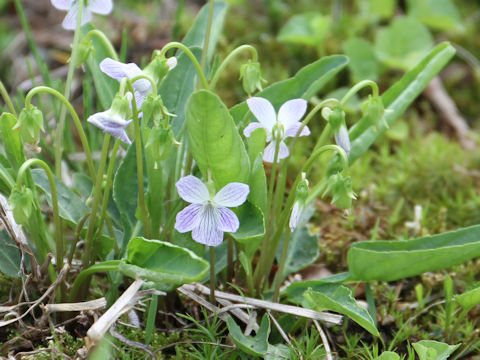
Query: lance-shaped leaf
<point>256,346</point>
<point>469,299</point>
<point>214,140</point>
<point>393,260</point>
<point>339,298</point>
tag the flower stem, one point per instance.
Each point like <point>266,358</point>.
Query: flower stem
<point>7,99</point>
<point>279,276</point>
<point>76,120</point>
<point>101,36</point>
<point>68,85</point>
<point>357,87</point>
<point>97,194</point>
<point>193,59</point>
<point>211,7</point>
<point>212,274</point>
<point>59,253</point>
<point>229,58</point>
<point>230,246</point>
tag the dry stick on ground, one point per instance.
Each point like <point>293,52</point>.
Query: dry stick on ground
<point>323,336</point>
<point>448,111</point>
<point>287,309</point>
<point>131,343</point>
<point>284,335</point>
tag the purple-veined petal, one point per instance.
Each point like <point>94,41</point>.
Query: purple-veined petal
<point>207,231</point>
<point>86,16</point>
<point>102,7</point>
<point>70,21</point>
<point>192,189</point>
<point>251,127</point>
<point>139,98</point>
<point>291,112</point>
<point>172,62</point>
<point>111,125</point>
<point>342,139</point>
<point>232,195</point>
<point>263,110</point>
<point>293,130</point>
<point>62,4</point>
<point>269,152</point>
<point>117,70</point>
<point>228,221</point>
<point>187,219</point>
<point>295,216</point>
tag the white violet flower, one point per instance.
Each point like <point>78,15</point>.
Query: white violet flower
<point>208,216</point>
<point>102,7</point>
<point>295,215</point>
<point>278,128</point>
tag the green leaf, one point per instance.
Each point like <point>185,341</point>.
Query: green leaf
<point>397,98</point>
<point>433,350</point>
<point>469,299</point>
<point>252,227</point>
<point>306,83</point>
<point>377,9</point>
<point>258,179</point>
<point>302,251</point>
<point>305,29</point>
<point>388,355</point>
<point>214,140</point>
<point>363,63</point>
<point>71,207</point>
<point>163,263</point>
<point>106,86</point>
<point>256,346</point>
<point>339,298</point>
<point>437,14</point>
<point>9,256</point>
<point>11,142</point>
<point>393,260</point>
<point>403,43</point>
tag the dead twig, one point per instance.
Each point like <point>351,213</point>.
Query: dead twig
<point>323,336</point>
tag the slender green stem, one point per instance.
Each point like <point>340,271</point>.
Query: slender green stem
<point>139,155</point>
<point>152,313</point>
<point>193,59</point>
<point>356,88</point>
<point>97,194</point>
<point>76,120</point>
<point>56,215</point>
<point>76,238</point>
<point>211,7</point>
<point>230,246</point>
<point>68,85</point>
<point>111,265</point>
<point>212,274</point>
<point>279,276</point>
<point>101,36</point>
<point>229,58</point>
<point>7,99</point>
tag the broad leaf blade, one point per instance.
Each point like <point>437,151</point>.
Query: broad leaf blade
<point>256,346</point>
<point>434,350</point>
<point>9,256</point>
<point>469,299</point>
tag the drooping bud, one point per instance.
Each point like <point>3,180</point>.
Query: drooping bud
<point>300,200</point>
<point>85,49</point>
<point>30,123</point>
<point>158,68</point>
<point>159,142</point>
<point>153,107</point>
<point>341,189</point>
<point>251,76</point>
<point>336,120</point>
<point>373,112</point>
<point>21,203</point>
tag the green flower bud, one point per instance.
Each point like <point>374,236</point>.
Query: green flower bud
<point>21,203</point>
<point>159,142</point>
<point>251,76</point>
<point>153,108</point>
<point>336,119</point>
<point>30,123</point>
<point>342,193</point>
<point>85,49</point>
<point>158,68</point>
<point>373,111</point>
<point>302,190</point>
<point>121,106</point>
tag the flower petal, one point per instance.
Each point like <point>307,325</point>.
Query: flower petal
<point>192,189</point>
<point>187,219</point>
<point>62,4</point>
<point>293,130</point>
<point>269,152</point>
<point>172,62</point>
<point>70,21</point>
<point>263,110</point>
<point>111,125</point>
<point>228,221</point>
<point>102,7</point>
<point>117,70</point>
<point>232,195</point>
<point>291,112</point>
<point>295,216</point>
<point>251,127</point>
<point>207,231</point>
<point>342,139</point>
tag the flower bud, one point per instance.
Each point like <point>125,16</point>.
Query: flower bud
<point>159,142</point>
<point>30,123</point>
<point>336,119</point>
<point>85,49</point>
<point>158,68</point>
<point>21,203</point>
<point>342,193</point>
<point>302,190</point>
<point>251,76</point>
<point>373,111</point>
<point>153,107</point>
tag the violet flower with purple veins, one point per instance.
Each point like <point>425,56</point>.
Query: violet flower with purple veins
<point>102,7</point>
<point>118,71</point>
<point>278,128</point>
<point>208,216</point>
